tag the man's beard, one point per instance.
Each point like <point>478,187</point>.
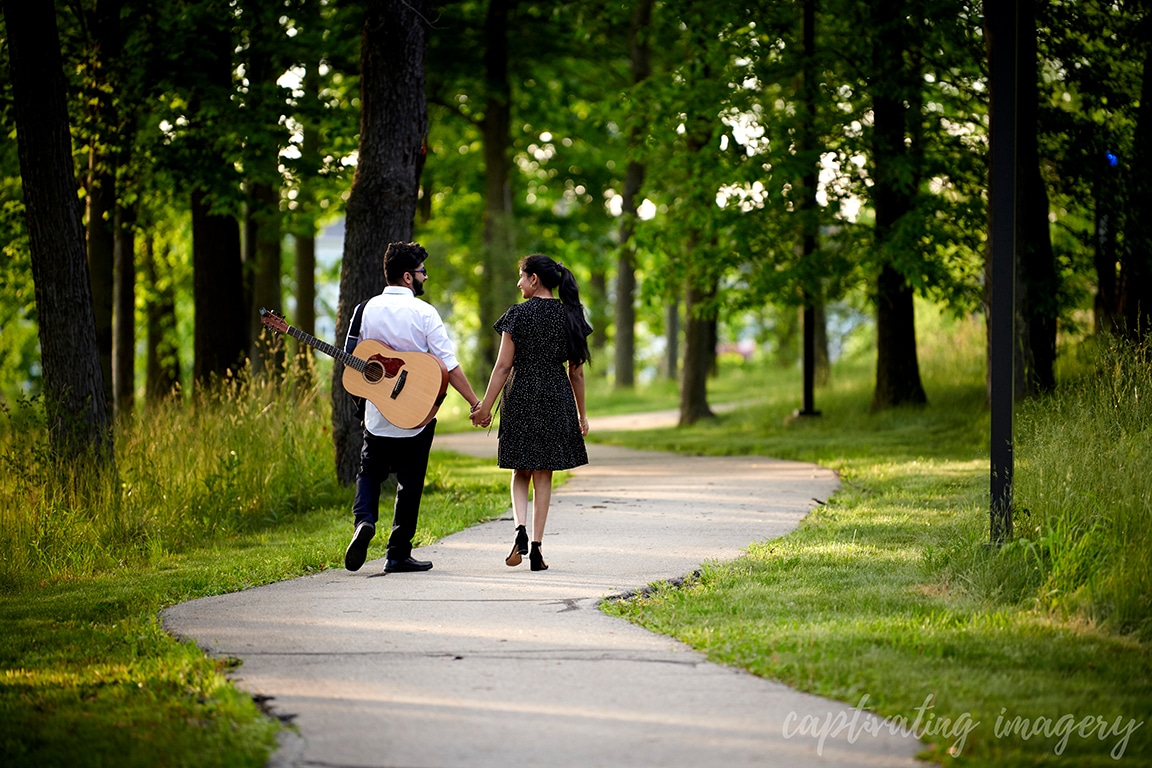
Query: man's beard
<point>417,288</point>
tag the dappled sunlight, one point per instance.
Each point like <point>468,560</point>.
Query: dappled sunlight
<point>846,551</point>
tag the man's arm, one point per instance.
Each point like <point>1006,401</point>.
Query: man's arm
<point>459,382</point>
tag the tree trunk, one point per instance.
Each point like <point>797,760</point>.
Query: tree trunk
<point>262,164</point>
<point>124,314</point>
<point>700,330</point>
<point>894,86</point>
<point>789,339</point>
<point>897,365</point>
<point>382,203</point>
<point>633,182</point>
<point>74,386</point>
<point>101,206</point>
<point>809,212</point>
<point>672,338</point>
<point>823,369</point>
<point>1105,306</point>
<point>625,320</point>
<point>713,339</point>
<point>124,259</point>
<point>699,355</point>
<point>499,256</point>
<point>304,233</point>
<point>597,304</point>
<point>1037,284</point>
<point>700,281</point>
<point>267,352</point>
<point>1136,262</point>
<point>103,136</point>
<point>305,268</point>
<point>220,340</point>
<point>162,370</point>
<point>248,257</point>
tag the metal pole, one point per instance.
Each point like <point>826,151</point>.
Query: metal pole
<point>1003,26</point>
<point>809,360</point>
<point>809,206</point>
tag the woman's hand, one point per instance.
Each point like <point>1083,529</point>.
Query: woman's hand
<point>584,426</point>
<point>480,416</point>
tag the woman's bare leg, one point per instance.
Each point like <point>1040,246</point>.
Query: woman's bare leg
<point>541,498</point>
<point>520,480</point>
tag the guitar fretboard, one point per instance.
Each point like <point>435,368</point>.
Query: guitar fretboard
<point>348,359</point>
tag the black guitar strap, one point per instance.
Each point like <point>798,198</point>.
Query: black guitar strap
<point>350,344</point>
<point>354,329</point>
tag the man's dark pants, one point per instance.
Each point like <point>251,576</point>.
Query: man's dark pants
<point>407,458</point>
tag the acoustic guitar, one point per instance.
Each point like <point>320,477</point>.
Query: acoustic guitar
<point>407,387</point>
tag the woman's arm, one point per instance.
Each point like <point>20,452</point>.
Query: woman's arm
<point>576,379</point>
<point>482,416</point>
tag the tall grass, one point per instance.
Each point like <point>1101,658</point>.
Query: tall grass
<point>187,474</point>
<point>1084,491</point>
<point>1082,546</point>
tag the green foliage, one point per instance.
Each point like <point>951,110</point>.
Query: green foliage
<point>719,118</point>
<point>19,345</point>
<point>564,145</point>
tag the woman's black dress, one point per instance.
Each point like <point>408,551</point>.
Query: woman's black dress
<point>539,424</point>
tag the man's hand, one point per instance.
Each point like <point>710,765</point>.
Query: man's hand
<point>480,416</point>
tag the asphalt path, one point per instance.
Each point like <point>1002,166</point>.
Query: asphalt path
<point>476,664</point>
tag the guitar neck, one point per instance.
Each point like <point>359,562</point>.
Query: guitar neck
<point>348,359</point>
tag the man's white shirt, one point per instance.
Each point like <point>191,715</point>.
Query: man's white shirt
<point>407,324</point>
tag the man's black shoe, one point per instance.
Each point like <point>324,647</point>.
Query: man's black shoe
<point>407,565</point>
<point>357,550</point>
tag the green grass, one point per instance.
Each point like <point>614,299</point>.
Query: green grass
<point>889,591</point>
<point>209,499</point>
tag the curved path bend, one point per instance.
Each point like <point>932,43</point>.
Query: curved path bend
<point>476,664</point>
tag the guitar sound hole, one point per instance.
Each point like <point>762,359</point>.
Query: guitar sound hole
<point>373,372</point>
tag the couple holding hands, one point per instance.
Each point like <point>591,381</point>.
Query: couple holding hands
<point>538,379</point>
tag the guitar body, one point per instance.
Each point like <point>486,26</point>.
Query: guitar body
<point>407,387</point>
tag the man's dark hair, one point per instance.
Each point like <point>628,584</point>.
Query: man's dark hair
<point>400,258</point>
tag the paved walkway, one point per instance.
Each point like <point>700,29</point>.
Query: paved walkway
<point>476,664</point>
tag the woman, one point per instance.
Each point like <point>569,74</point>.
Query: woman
<point>543,424</point>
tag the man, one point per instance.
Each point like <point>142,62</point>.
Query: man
<point>406,324</point>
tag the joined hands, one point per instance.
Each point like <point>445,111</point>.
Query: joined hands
<point>480,417</point>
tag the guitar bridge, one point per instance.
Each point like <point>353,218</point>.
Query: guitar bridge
<point>399,384</point>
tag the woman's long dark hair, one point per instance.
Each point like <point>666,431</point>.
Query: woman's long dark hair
<point>553,275</point>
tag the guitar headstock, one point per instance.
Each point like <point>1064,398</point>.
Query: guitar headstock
<point>273,321</point>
